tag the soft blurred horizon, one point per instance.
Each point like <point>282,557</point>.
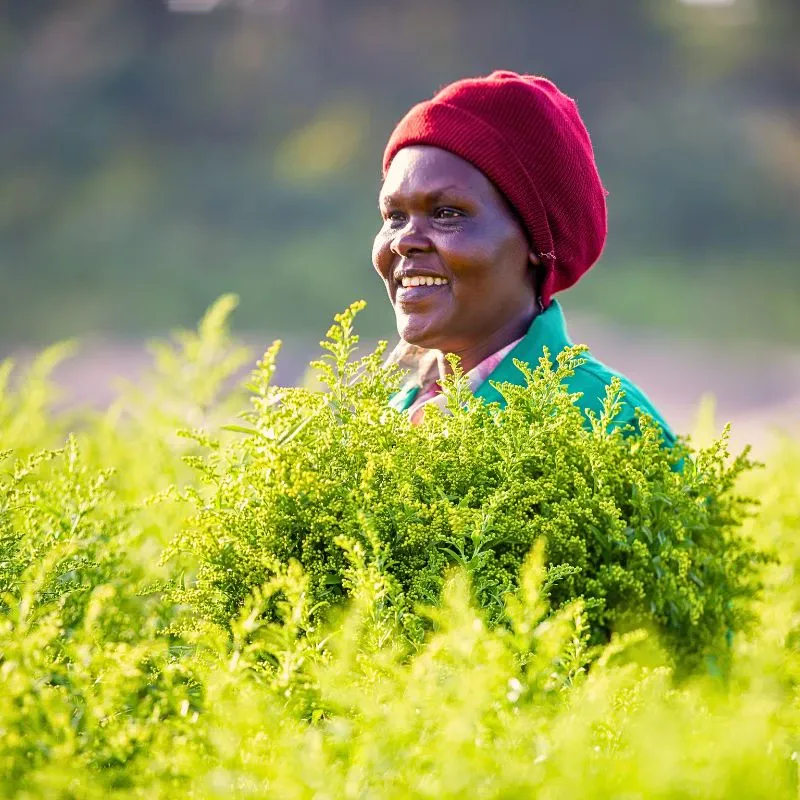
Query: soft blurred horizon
<point>155,155</point>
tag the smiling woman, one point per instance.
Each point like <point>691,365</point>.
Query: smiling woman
<point>445,221</point>
<point>491,203</point>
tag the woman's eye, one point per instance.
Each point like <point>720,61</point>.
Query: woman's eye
<point>394,217</point>
<point>448,213</point>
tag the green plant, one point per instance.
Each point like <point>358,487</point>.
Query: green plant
<point>441,651</point>
<point>637,539</point>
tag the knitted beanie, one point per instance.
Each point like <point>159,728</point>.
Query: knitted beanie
<point>528,138</point>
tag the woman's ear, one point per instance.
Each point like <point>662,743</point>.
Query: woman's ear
<point>538,278</point>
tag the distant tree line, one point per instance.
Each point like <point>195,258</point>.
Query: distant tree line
<point>150,161</point>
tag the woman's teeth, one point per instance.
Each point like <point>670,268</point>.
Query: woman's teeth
<point>423,280</point>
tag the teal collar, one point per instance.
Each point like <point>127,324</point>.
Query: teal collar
<point>548,329</point>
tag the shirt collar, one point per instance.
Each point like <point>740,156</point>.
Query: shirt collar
<point>432,392</point>
<point>548,329</point>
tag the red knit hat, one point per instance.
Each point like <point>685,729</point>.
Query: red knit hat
<point>528,138</point>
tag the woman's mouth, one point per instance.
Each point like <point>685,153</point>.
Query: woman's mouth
<point>418,289</point>
<point>409,281</point>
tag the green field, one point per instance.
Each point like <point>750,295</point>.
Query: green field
<point>262,592</point>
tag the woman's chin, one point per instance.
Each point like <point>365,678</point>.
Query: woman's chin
<point>418,329</point>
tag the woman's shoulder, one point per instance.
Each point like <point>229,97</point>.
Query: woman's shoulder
<point>592,377</point>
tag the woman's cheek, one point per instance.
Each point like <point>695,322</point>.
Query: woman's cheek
<point>381,256</point>
<point>465,270</point>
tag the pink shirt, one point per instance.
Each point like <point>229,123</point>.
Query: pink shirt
<point>431,394</point>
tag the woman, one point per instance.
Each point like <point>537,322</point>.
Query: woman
<point>491,204</point>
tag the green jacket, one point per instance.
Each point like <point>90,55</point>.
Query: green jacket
<point>549,330</point>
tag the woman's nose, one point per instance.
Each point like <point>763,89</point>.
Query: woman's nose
<point>409,240</point>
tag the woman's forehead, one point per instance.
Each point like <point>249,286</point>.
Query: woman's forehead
<point>427,170</point>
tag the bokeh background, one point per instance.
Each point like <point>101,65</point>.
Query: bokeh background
<point>154,155</point>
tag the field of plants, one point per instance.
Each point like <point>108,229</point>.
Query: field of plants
<point>218,591</point>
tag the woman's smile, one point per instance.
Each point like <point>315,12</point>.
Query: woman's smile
<point>414,286</point>
<point>417,293</point>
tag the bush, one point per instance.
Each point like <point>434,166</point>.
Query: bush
<point>195,641</point>
<point>644,536</point>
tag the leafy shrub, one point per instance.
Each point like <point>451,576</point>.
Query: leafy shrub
<point>105,690</point>
<point>640,540</point>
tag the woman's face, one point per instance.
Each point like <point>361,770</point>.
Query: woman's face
<point>455,261</point>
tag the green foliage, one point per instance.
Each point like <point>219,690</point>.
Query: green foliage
<point>333,603</point>
<point>640,541</point>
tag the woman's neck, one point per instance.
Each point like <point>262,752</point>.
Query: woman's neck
<point>471,356</point>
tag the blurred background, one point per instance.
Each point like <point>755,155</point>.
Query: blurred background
<point>154,155</point>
